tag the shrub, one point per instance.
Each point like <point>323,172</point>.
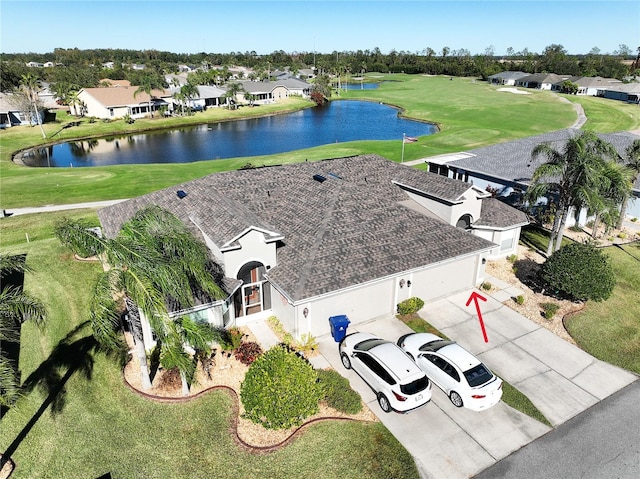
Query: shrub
<point>79,237</point>
<point>338,393</point>
<point>229,339</point>
<point>580,271</point>
<point>410,306</point>
<point>512,258</point>
<point>634,219</point>
<point>280,389</point>
<point>486,286</point>
<point>549,309</point>
<point>519,299</point>
<point>248,352</point>
<point>622,235</point>
<point>307,342</point>
<point>575,228</point>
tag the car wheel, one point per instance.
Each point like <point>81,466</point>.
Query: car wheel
<point>384,403</point>
<point>456,400</point>
<point>346,362</point>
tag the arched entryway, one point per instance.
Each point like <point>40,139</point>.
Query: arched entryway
<point>464,222</point>
<point>254,295</point>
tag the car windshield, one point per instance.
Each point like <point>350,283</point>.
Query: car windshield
<point>416,386</point>
<point>435,345</point>
<point>478,375</point>
<point>367,344</point>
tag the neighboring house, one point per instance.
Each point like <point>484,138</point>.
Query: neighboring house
<point>510,164</point>
<point>628,92</point>
<point>109,65</point>
<point>208,96</point>
<point>116,102</point>
<point>306,73</point>
<point>180,78</point>
<point>47,97</point>
<point>352,236</point>
<point>14,112</point>
<point>507,78</point>
<point>541,81</point>
<point>109,83</point>
<point>592,86</point>
<point>35,64</point>
<point>272,91</point>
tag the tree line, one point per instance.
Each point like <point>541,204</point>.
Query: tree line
<point>84,68</point>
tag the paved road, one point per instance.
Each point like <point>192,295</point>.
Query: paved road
<point>602,442</point>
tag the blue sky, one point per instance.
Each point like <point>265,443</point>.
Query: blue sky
<point>324,26</point>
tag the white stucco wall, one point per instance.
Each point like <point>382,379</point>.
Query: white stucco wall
<point>254,247</point>
<point>365,302</point>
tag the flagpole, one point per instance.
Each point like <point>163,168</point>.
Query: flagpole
<point>402,160</point>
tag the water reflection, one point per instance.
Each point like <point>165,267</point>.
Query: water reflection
<point>338,122</point>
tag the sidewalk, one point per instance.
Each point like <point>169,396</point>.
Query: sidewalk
<point>49,208</point>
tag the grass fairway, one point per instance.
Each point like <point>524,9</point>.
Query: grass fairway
<point>470,114</point>
<point>610,330</point>
<point>95,424</point>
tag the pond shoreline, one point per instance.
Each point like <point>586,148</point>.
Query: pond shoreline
<point>343,121</point>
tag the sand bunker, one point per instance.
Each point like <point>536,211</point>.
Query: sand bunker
<point>514,90</point>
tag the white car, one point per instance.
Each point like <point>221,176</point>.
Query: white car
<point>460,375</point>
<point>399,384</point>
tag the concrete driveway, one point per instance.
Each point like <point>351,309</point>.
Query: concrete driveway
<point>447,442</point>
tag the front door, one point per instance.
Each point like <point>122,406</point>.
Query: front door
<point>251,300</point>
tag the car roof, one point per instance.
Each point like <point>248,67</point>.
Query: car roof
<point>397,361</point>
<point>454,353</point>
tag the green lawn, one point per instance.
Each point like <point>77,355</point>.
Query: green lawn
<point>95,424</point>
<point>470,114</point>
<point>610,330</point>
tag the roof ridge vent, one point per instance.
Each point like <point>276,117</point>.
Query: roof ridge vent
<point>319,178</point>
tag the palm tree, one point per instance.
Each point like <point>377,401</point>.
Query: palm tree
<point>604,199</point>
<point>154,260</point>
<point>30,84</point>
<point>147,85</point>
<point>189,92</point>
<point>185,331</point>
<point>632,162</point>
<point>16,307</point>
<point>233,89</point>
<point>569,173</point>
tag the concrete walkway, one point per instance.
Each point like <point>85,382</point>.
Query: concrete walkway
<point>49,208</point>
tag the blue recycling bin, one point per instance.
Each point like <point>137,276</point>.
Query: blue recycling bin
<point>339,325</point>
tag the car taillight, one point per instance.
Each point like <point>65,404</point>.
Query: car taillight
<point>398,397</point>
<point>478,396</point>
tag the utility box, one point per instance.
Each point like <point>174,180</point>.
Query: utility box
<point>339,325</point>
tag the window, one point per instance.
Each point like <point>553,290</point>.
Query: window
<point>506,244</point>
<point>478,375</point>
<point>415,386</point>
<point>375,367</point>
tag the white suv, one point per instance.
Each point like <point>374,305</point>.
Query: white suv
<point>398,382</point>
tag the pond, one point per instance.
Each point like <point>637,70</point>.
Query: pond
<point>337,122</point>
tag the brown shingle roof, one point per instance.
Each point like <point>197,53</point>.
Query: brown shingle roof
<point>347,230</point>
<point>120,96</point>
